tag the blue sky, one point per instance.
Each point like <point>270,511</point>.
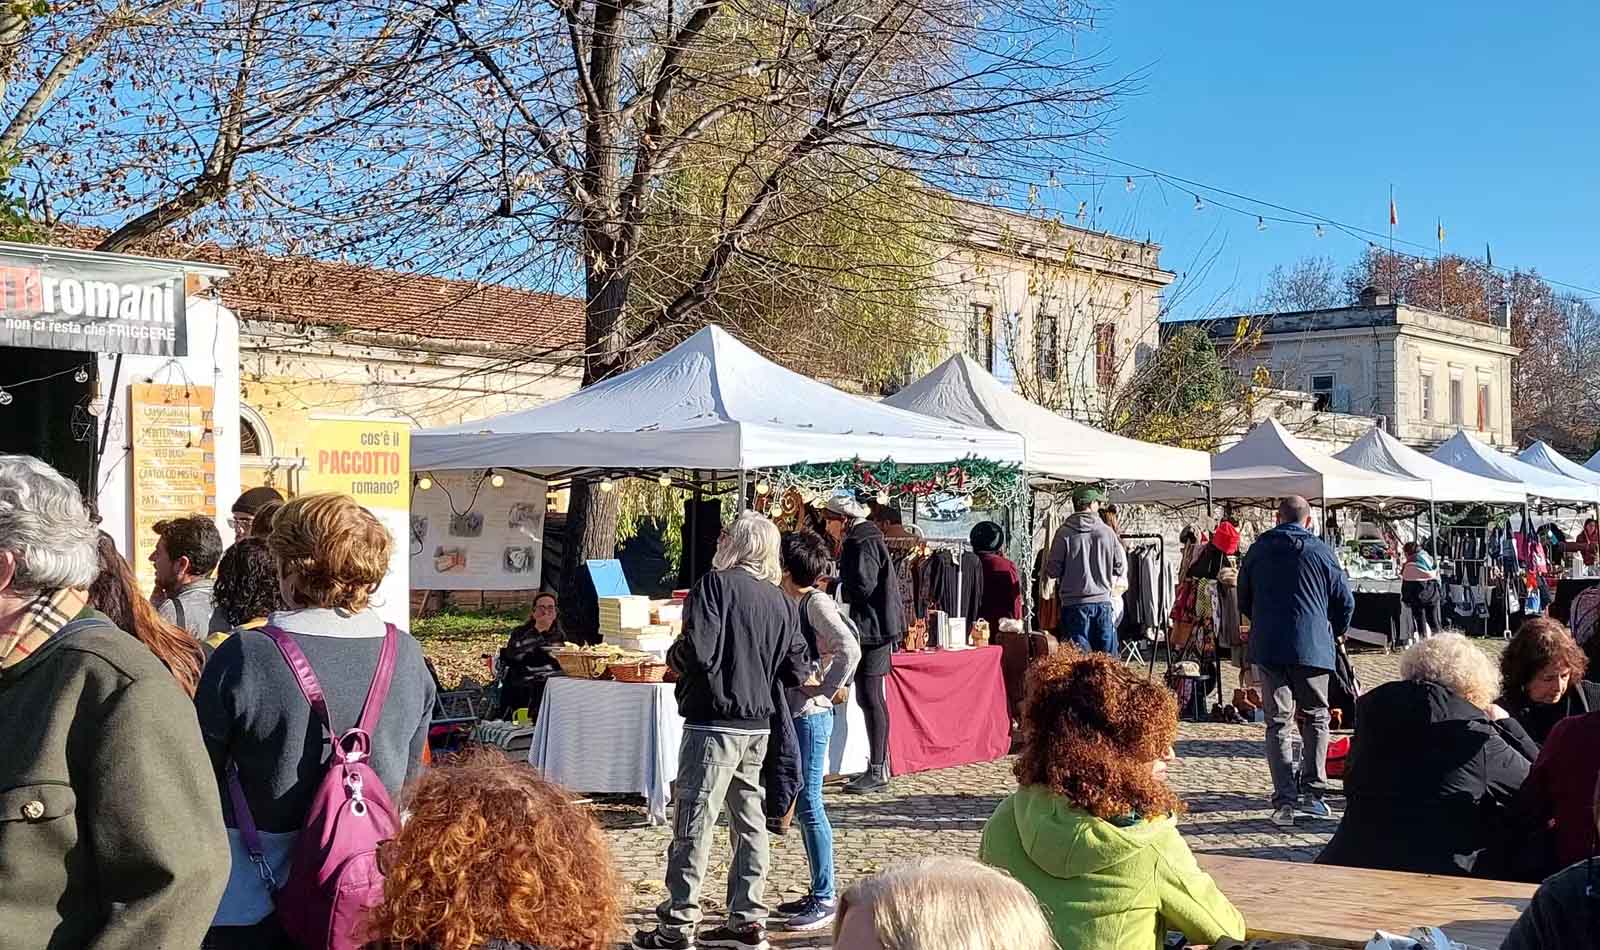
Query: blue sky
<point>1485,115</point>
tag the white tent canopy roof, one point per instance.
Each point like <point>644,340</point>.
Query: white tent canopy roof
<point>709,403</point>
<point>1383,454</point>
<point>960,391</point>
<point>1269,463</point>
<point>1468,454</point>
<point>1541,455</point>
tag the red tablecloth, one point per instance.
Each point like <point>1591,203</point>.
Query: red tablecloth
<point>946,707</point>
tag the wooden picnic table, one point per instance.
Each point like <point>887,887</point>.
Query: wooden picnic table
<point>1343,907</point>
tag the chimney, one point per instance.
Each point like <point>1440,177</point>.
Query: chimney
<point>1373,297</point>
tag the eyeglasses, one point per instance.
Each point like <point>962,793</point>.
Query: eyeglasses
<point>546,608</point>
<point>242,523</point>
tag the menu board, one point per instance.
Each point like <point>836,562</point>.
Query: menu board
<point>174,462</point>
<point>369,460</point>
<point>468,534</point>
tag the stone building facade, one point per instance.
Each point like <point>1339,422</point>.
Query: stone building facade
<point>1426,374</point>
<point>1063,313</point>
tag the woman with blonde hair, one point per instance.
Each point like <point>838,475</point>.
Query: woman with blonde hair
<point>1091,830</point>
<point>493,856</point>
<point>940,904</point>
<point>1433,767</point>
<point>331,555</point>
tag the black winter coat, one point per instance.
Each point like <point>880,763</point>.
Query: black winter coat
<point>871,587</point>
<point>1429,783</point>
<point>740,633</point>
<point>1539,718</point>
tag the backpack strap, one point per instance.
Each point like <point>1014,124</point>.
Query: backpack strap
<point>181,615</point>
<point>245,824</point>
<point>372,709</point>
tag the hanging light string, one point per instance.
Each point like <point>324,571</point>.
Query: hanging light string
<point>1294,216</point>
<point>78,373</point>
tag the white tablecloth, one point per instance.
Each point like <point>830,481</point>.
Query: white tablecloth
<point>622,738</point>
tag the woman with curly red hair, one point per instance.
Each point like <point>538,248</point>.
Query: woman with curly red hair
<point>493,857</point>
<point>1092,829</point>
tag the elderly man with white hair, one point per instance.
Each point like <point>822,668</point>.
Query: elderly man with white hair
<point>741,633</point>
<point>1434,768</point>
<point>110,823</point>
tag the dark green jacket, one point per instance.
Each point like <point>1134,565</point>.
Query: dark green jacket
<point>111,833</point>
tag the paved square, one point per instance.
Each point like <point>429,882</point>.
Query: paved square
<point>1221,773</point>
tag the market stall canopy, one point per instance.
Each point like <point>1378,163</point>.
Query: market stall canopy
<point>1468,454</point>
<point>709,403</point>
<point>1270,463</point>
<point>960,391</point>
<point>1541,455</point>
<point>1383,454</point>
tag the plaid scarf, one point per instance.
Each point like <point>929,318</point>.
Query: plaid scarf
<point>41,619</point>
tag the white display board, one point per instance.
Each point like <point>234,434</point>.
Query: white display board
<point>467,534</point>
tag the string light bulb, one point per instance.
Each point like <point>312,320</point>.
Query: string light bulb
<point>882,498</point>
<point>497,480</point>
<point>81,376</point>
<point>664,481</point>
<point>606,485</point>
<point>762,488</point>
<point>1319,231</point>
<point>1052,181</point>
<point>1261,223</point>
<point>425,483</point>
<point>1127,184</point>
<point>1198,204</point>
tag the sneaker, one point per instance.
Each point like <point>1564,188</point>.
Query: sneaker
<point>796,906</point>
<point>1315,808</point>
<point>656,940</point>
<point>1283,817</point>
<point>748,937</point>
<point>816,916</point>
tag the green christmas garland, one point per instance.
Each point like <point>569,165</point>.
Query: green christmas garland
<point>988,484</point>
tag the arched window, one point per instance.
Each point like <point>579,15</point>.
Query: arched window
<point>255,439</point>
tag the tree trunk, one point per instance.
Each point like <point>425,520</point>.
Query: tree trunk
<point>591,534</point>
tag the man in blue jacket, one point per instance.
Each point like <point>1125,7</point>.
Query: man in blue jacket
<point>1294,592</point>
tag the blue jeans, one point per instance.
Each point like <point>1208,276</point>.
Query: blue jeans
<point>813,732</point>
<point>1088,627</point>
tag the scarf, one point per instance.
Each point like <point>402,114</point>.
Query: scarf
<point>41,619</point>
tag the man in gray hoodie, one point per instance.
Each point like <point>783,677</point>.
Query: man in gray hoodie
<point>1086,559</point>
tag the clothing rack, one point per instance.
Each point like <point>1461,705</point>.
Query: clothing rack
<point>956,545</point>
<point>1484,564</point>
<point>1132,653</point>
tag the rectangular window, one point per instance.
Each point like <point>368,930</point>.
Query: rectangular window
<point>980,335</point>
<point>1483,407</point>
<point>1322,391</point>
<point>1425,391</point>
<point>1457,401</point>
<point>1105,355</point>
<point>1047,346</point>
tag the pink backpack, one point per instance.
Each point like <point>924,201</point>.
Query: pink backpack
<point>334,880</point>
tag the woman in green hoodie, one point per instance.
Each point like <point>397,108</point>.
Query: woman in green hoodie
<point>1091,831</point>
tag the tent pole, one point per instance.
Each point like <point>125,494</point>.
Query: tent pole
<point>744,502</point>
<point>1433,526</point>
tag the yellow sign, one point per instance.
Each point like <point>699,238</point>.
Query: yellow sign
<point>368,459</point>
<point>174,462</point>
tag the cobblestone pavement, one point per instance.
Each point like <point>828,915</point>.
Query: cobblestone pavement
<point>1220,773</point>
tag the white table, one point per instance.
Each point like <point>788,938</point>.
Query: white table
<point>622,738</point>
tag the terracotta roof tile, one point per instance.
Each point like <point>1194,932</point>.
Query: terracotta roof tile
<point>304,291</point>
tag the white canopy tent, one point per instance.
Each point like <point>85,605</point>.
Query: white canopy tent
<point>1269,463</point>
<point>710,404</point>
<point>960,391</point>
<point>1541,455</point>
<point>1464,452</point>
<point>1383,454</point>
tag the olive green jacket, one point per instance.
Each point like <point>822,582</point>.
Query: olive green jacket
<point>111,832</point>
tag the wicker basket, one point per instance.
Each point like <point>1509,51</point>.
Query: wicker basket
<point>588,666</point>
<point>639,671</point>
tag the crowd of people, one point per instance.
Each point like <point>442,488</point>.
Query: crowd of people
<point>161,773</point>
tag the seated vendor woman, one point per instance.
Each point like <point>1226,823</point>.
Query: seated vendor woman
<point>525,660</point>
